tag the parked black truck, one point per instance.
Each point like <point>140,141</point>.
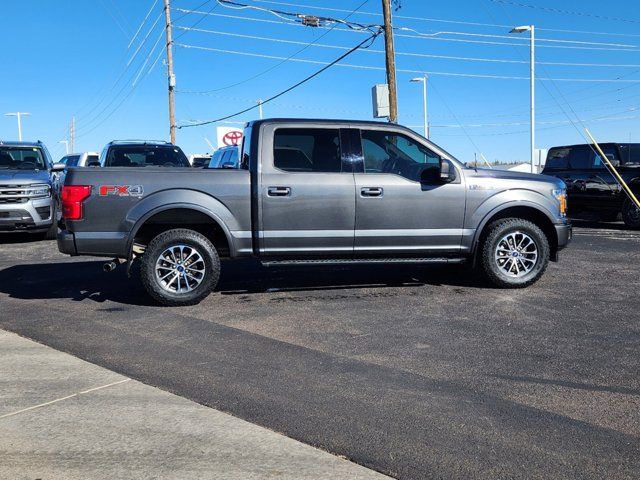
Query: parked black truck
<point>590,185</point>
<point>315,192</point>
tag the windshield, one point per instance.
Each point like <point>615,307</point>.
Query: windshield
<point>146,156</point>
<point>21,158</point>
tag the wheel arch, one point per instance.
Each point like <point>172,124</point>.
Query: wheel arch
<point>526,211</point>
<point>182,215</point>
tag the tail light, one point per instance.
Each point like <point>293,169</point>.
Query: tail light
<point>72,198</point>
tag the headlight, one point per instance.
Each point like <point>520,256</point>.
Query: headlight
<point>38,191</point>
<point>560,194</point>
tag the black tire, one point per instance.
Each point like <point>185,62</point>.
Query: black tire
<point>496,234</point>
<point>630,214</point>
<point>192,241</point>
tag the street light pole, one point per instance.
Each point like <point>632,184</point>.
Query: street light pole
<point>66,145</point>
<point>532,74</point>
<point>19,116</point>
<point>424,102</point>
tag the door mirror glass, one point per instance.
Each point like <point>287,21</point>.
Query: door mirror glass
<point>447,172</point>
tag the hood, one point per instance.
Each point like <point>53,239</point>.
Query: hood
<point>13,177</point>
<point>511,175</point>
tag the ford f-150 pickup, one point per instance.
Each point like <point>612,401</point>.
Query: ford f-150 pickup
<point>315,192</point>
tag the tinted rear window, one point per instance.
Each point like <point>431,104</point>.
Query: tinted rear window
<point>307,150</point>
<point>146,156</point>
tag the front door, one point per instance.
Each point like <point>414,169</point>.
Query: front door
<point>401,206</point>
<point>307,198</point>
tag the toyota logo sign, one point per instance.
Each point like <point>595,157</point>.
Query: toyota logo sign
<point>232,138</point>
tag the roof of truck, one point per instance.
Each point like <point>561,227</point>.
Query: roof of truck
<point>321,120</point>
<point>21,143</point>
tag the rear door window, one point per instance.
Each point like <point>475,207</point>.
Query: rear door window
<point>311,150</point>
<point>610,151</point>
<point>580,158</point>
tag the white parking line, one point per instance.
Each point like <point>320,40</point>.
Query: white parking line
<point>64,398</point>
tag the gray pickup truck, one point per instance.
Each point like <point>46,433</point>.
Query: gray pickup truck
<point>315,192</point>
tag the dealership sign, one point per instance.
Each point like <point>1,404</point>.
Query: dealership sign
<point>228,136</point>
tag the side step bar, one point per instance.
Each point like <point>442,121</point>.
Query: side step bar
<point>363,261</point>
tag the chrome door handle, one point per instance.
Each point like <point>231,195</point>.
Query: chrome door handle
<point>279,191</point>
<point>371,191</point>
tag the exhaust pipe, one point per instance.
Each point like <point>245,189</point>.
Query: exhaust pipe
<point>109,266</point>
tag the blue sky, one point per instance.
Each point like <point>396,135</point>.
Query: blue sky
<point>70,58</point>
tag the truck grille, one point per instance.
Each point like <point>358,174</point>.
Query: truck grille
<point>14,194</point>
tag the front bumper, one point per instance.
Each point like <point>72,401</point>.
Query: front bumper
<point>35,215</point>
<point>564,232</point>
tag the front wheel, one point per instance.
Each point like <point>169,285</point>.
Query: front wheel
<point>515,253</point>
<point>180,267</point>
<point>630,214</point>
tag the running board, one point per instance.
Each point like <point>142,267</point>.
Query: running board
<point>363,261</point>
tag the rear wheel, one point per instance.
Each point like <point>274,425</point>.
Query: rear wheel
<point>630,214</point>
<point>180,267</point>
<point>515,253</point>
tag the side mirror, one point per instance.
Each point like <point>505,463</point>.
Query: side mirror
<point>447,172</point>
<point>93,163</point>
<point>58,167</point>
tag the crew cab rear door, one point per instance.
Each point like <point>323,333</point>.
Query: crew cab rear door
<point>306,197</point>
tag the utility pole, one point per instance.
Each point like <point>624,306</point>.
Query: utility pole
<point>390,61</point>
<point>72,134</point>
<point>19,116</point>
<point>171,76</point>
<point>260,108</point>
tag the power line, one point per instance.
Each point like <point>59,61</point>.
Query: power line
<point>566,12</point>
<point>455,22</point>
<point>364,44</point>
<point>135,35</point>
<point>284,60</point>
<point>424,55</point>
<point>515,41</point>
<point>367,67</point>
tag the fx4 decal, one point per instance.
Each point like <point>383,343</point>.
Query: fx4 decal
<point>121,190</point>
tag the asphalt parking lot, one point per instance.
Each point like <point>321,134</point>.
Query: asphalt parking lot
<point>415,372</point>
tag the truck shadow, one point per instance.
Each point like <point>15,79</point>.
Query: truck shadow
<point>80,280</point>
<point>20,237</point>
